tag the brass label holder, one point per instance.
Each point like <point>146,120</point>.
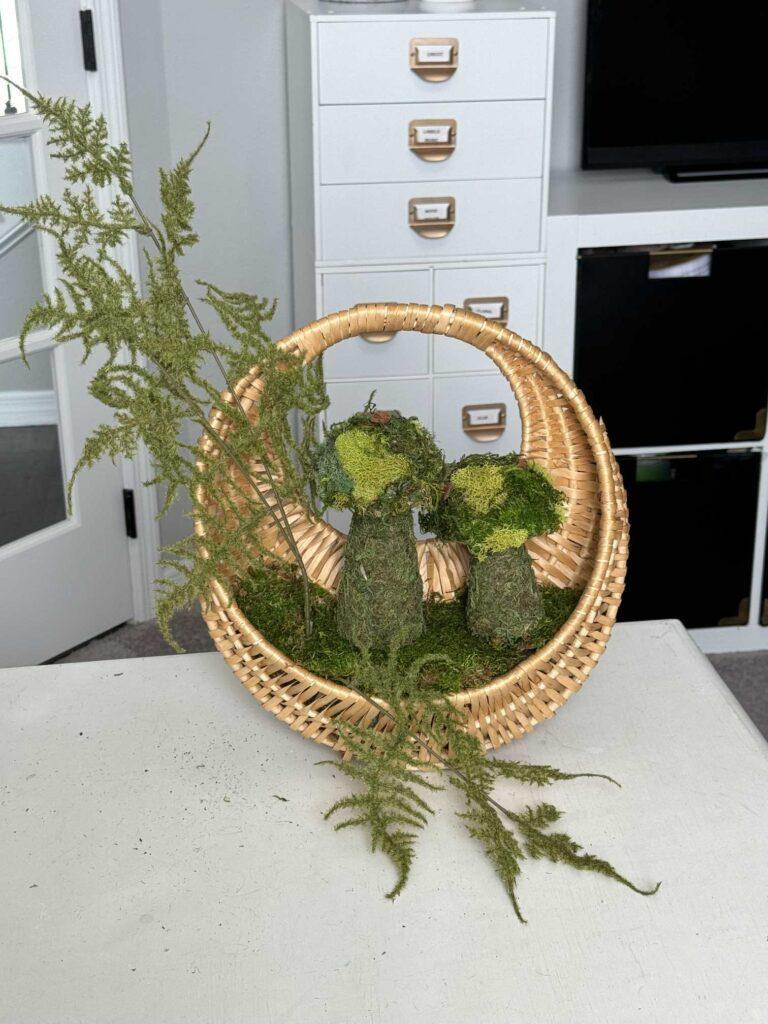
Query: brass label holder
<point>492,307</point>
<point>378,337</point>
<point>432,139</point>
<point>434,60</point>
<point>485,422</point>
<point>432,216</point>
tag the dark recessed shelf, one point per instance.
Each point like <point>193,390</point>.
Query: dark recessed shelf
<point>693,519</point>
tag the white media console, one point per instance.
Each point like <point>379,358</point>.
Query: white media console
<point>595,209</point>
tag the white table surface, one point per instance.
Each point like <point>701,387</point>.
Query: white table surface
<point>149,872</point>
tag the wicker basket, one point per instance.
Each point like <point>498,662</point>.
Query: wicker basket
<point>590,552</point>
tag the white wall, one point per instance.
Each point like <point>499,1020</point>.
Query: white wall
<point>568,93</point>
<point>142,38</point>
<point>189,61</point>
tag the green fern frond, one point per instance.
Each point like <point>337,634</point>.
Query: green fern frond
<point>500,845</point>
<point>561,849</point>
<point>390,806</point>
<point>540,774</point>
<point>176,197</point>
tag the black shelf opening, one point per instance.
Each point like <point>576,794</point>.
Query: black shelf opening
<point>692,526</point>
<point>674,360</point>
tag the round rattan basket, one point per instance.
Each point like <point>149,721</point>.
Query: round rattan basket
<point>589,553</point>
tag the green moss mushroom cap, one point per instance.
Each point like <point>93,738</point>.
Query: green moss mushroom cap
<point>496,502</point>
<point>379,462</point>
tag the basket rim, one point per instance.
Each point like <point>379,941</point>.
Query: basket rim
<point>448,321</point>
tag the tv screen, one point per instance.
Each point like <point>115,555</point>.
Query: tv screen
<point>676,83</point>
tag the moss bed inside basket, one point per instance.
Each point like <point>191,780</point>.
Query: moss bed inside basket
<point>271,597</point>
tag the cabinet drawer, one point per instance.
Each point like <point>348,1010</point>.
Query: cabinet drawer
<point>453,394</point>
<point>502,59</point>
<point>410,397</point>
<point>406,354</point>
<point>360,144</point>
<point>371,222</point>
<point>519,286</point>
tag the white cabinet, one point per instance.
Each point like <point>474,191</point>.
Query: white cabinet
<point>406,142</point>
<point>419,168</point>
<point>411,397</point>
<point>514,294</point>
<point>402,355</point>
<point>476,414</point>
<point>371,223</point>
<point>374,59</point>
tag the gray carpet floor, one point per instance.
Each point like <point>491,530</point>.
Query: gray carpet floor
<point>746,673</point>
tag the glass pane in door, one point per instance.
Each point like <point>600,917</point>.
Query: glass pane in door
<point>31,475</point>
<point>21,279</point>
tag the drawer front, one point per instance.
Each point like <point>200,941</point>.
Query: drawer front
<point>410,397</point>
<point>502,59</point>
<point>361,144</point>
<point>406,354</point>
<point>371,222</point>
<point>519,286</point>
<point>452,395</point>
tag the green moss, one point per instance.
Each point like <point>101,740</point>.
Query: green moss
<point>380,591</point>
<point>505,537</point>
<point>380,462</point>
<point>504,602</point>
<point>369,464</point>
<point>527,505</point>
<point>271,598</point>
<point>481,487</point>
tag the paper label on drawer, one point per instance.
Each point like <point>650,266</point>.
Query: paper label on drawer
<point>484,417</point>
<point>433,133</point>
<point>490,310</point>
<point>435,53</point>
<point>431,211</point>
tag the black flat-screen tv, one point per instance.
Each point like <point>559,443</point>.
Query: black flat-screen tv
<point>677,85</point>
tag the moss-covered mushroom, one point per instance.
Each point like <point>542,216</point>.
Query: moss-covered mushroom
<point>380,465</point>
<point>493,504</point>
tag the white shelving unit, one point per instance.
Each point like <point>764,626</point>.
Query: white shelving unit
<point>592,209</point>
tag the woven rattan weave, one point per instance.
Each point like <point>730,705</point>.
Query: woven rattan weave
<point>590,552</point>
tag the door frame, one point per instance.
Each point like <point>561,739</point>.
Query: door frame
<point>106,93</point>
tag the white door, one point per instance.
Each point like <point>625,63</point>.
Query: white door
<point>63,578</point>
